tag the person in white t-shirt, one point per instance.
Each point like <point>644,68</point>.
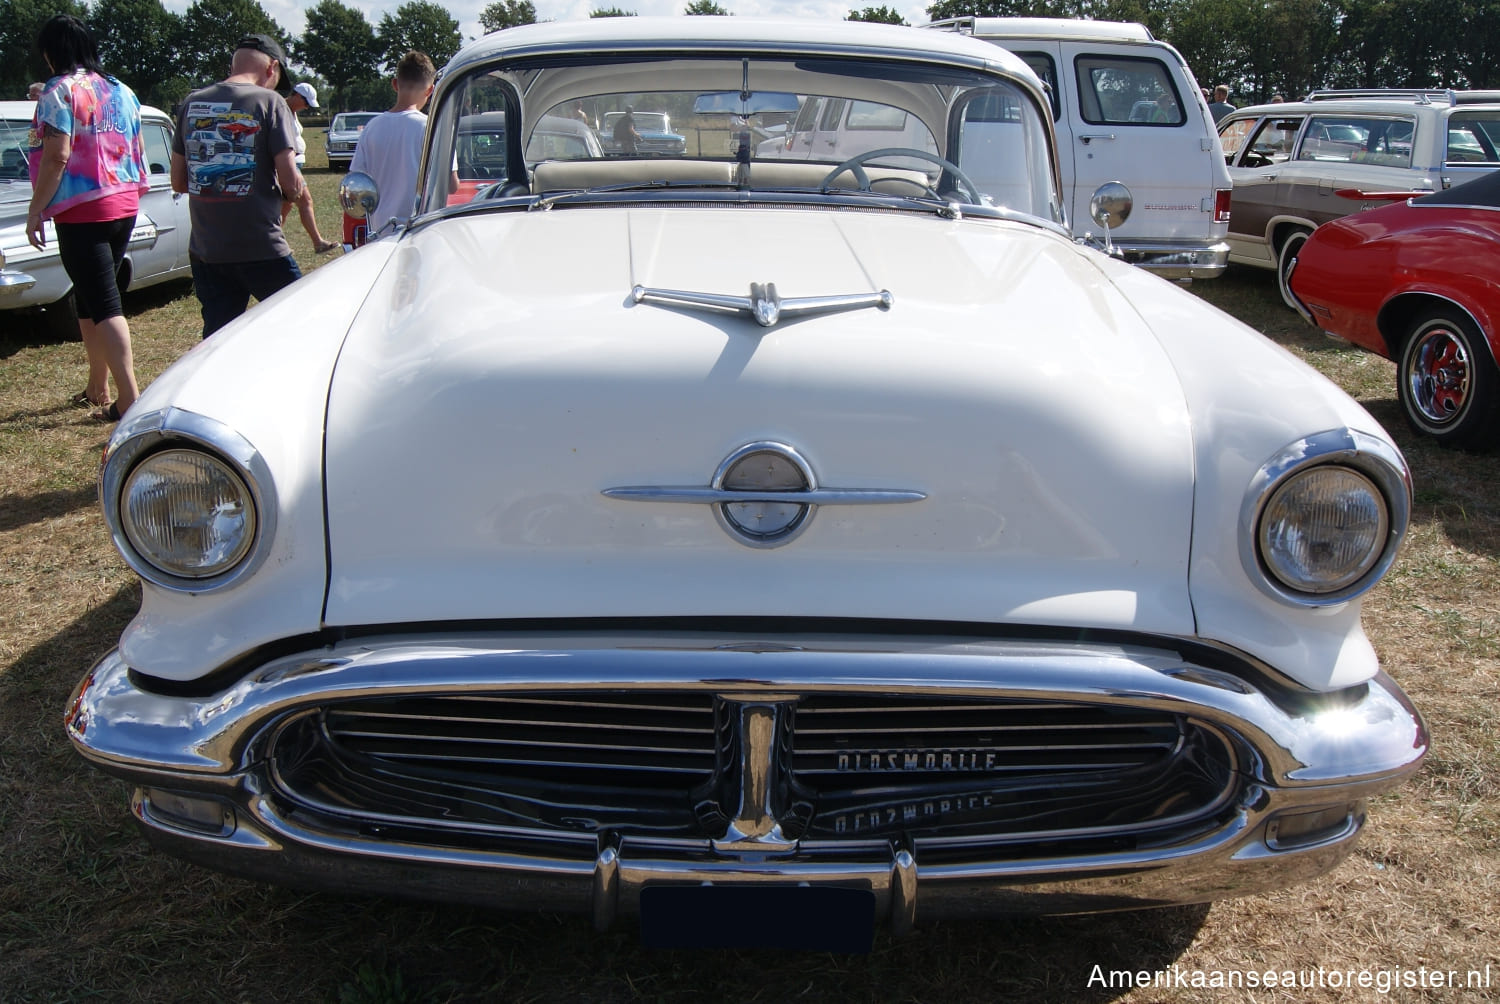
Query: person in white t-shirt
<point>305,96</point>
<point>390,147</point>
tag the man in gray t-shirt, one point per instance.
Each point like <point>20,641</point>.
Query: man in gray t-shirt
<point>235,156</point>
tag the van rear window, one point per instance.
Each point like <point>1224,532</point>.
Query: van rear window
<point>1127,90</point>
<point>868,115</point>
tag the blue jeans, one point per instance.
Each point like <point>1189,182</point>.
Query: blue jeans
<point>224,290</point>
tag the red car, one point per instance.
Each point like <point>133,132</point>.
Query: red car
<point>1418,282</point>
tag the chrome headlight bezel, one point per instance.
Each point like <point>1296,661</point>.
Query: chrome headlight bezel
<point>1372,458</point>
<point>144,436</point>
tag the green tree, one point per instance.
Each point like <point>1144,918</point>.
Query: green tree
<point>507,14</point>
<point>1211,34</point>
<point>703,7</point>
<point>209,30</point>
<point>339,45</point>
<point>611,12</point>
<point>881,15</point>
<point>20,21</point>
<point>421,25</point>
<point>139,46</point>
<point>1477,54</point>
<point>993,8</point>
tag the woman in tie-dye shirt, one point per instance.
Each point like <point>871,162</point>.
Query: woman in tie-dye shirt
<point>88,170</point>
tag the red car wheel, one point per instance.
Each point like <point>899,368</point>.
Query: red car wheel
<point>1447,381</point>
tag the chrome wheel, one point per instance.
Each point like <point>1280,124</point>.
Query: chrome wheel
<point>1447,381</point>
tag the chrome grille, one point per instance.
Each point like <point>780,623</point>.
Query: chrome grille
<point>574,762</point>
<point>877,765</point>
<point>653,763</point>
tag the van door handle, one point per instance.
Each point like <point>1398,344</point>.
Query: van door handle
<point>1087,136</point>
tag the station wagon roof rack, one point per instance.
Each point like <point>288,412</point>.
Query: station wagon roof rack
<point>1045,27</point>
<point>1418,95</point>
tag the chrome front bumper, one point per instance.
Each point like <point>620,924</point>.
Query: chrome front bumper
<point>203,792</point>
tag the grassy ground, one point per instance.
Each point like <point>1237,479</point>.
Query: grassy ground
<point>88,912</point>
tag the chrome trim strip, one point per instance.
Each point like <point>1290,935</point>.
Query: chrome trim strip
<point>716,496</point>
<point>763,303</point>
<point>808,497</point>
<point>1379,460</point>
<point>140,435</point>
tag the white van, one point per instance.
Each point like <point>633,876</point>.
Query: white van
<point>1127,111</point>
<point>837,129</point>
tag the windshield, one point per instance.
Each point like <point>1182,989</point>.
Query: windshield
<point>13,134</point>
<point>726,122</point>
<point>352,123</point>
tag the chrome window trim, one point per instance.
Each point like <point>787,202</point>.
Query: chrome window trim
<point>141,436</point>
<point>1381,462</point>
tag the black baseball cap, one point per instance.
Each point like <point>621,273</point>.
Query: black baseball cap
<point>272,48</point>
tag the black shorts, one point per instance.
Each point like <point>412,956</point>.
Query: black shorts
<point>91,253</point>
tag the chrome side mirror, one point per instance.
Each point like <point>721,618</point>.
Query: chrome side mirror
<point>358,194</point>
<point>1111,204</point>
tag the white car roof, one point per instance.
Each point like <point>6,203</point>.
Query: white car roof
<point>27,109</point>
<point>1048,27</point>
<point>774,34</point>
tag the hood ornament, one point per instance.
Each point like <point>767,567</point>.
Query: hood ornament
<point>763,303</point>
<point>764,494</point>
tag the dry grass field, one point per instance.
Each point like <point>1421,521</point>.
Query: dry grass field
<point>87,911</point>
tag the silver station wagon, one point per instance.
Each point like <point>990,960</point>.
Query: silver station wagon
<point>1292,160</point>
<point>761,552</point>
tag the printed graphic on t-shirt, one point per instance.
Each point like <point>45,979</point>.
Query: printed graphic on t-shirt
<point>220,149</point>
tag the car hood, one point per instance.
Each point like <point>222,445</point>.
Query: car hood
<point>501,378</point>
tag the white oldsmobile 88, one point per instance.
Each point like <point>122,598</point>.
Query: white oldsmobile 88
<point>826,546</point>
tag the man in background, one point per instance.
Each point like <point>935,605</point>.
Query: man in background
<point>304,95</point>
<point>241,169</point>
<point>390,147</point>
<point>1220,105</point>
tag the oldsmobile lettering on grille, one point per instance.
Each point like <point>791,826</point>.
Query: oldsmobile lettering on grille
<point>917,760</point>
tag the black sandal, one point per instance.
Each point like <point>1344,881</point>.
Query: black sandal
<point>110,414</point>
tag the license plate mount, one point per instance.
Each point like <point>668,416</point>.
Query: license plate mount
<point>788,918</point>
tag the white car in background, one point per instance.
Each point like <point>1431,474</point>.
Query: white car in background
<point>760,550</point>
<point>343,137</point>
<point>34,281</point>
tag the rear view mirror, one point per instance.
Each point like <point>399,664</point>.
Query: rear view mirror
<point>744,102</point>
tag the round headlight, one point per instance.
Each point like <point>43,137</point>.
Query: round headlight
<point>188,513</point>
<point>1323,529</point>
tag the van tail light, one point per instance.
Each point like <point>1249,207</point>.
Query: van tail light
<point>1221,205</point>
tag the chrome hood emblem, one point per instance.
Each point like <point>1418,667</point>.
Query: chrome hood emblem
<point>764,494</point>
<point>763,303</point>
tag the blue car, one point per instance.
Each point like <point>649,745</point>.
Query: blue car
<point>225,171</point>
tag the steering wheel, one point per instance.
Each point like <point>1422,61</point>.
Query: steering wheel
<point>855,165</point>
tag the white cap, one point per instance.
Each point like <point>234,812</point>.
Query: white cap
<point>308,94</point>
